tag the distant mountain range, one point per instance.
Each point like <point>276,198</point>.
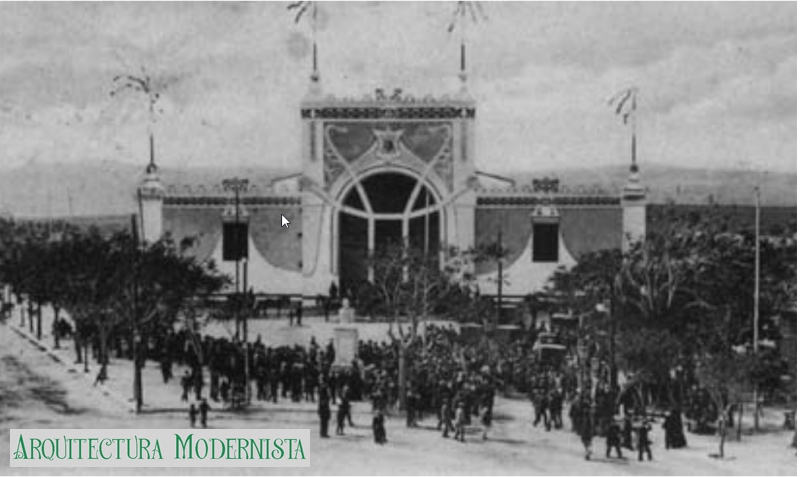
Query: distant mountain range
<point>108,188</point>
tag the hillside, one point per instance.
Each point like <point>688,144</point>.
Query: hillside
<point>107,188</point>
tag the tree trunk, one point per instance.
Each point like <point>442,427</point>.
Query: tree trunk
<point>103,352</point>
<point>30,316</point>
<point>77,341</point>
<point>722,428</point>
<point>739,424</point>
<point>56,328</point>
<point>39,320</point>
<point>402,375</point>
<point>21,305</point>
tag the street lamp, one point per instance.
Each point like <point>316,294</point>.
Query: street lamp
<point>239,252</point>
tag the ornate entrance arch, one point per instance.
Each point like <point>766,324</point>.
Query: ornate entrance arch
<point>380,208</point>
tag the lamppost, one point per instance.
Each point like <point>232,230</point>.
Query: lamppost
<point>607,308</point>
<point>137,335</point>
<point>237,186</point>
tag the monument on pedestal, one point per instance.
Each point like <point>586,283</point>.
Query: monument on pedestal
<point>346,313</point>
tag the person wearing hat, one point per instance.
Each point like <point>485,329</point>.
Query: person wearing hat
<point>446,418</point>
<point>643,439</point>
<point>378,428</point>
<point>461,421</point>
<point>324,412</point>
<point>613,440</point>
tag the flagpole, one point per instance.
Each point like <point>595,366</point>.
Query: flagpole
<point>315,72</point>
<point>463,40</point>
<point>756,293</point>
<point>634,167</point>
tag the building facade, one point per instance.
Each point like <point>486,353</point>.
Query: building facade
<point>383,168</point>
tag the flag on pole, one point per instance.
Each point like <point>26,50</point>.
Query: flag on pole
<point>301,8</point>
<point>625,102</point>
<point>474,9</point>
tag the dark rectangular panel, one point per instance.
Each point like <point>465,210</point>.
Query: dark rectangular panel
<point>234,241</point>
<point>545,242</point>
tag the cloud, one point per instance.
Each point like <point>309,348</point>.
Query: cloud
<point>716,80</point>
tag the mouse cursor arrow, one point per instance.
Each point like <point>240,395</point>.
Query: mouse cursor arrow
<point>284,221</point>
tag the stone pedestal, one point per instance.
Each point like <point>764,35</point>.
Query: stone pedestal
<point>346,345</point>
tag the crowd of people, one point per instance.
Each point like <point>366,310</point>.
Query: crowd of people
<point>446,378</point>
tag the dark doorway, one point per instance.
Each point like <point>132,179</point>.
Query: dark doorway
<point>353,244</point>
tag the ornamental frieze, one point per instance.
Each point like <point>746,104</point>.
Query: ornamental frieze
<point>388,112</point>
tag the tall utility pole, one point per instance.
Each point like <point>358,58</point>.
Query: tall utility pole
<point>137,338</point>
<point>499,275</point>
<point>237,186</point>
<point>756,293</point>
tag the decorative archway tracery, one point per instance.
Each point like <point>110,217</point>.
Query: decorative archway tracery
<point>388,198</point>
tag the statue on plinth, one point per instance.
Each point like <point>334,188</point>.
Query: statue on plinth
<point>346,313</point>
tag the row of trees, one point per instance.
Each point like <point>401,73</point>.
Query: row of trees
<point>113,287</point>
<point>682,307</point>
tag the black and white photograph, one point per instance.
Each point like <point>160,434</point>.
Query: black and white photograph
<point>398,238</point>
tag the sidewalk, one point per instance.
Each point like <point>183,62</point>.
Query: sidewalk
<point>159,397</point>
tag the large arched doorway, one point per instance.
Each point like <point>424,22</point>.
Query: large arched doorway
<point>379,212</point>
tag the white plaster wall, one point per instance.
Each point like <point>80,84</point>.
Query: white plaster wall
<point>262,276</point>
<point>525,276</point>
<point>152,220</point>
<point>317,249</point>
<point>634,221</point>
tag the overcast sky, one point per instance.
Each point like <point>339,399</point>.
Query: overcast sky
<point>718,82</point>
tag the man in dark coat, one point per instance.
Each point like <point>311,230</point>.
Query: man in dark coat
<point>204,408</point>
<point>587,429</point>
<point>324,411</point>
<point>446,418</point>
<point>673,430</point>
<point>643,440</point>
<point>378,428</point>
<point>627,432</point>
<point>613,440</point>
<point>341,414</point>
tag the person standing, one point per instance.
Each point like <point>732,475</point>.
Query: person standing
<point>556,404</point>
<point>613,440</point>
<point>587,429</point>
<point>486,421</point>
<point>378,428</point>
<point>673,430</point>
<point>446,418</point>
<point>411,408</point>
<point>192,415</point>
<point>324,411</point>
<point>627,433</point>
<point>643,440</point>
<point>461,421</point>
<point>345,400</point>
<point>299,314</point>
<point>204,408</point>
<point>186,383</point>
<point>341,414</point>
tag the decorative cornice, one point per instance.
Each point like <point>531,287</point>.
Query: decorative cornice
<point>391,112</point>
<point>542,200</point>
<point>220,201</point>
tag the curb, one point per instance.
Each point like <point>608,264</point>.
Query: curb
<point>55,357</point>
